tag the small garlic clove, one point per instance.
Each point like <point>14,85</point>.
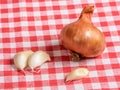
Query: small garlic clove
<point>37,59</point>
<point>20,59</point>
<point>76,74</point>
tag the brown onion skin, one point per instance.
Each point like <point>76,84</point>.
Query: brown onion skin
<point>82,36</point>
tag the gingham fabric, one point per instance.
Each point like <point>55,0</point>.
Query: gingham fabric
<point>36,25</point>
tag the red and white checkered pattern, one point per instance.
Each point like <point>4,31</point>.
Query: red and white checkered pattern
<point>36,25</point>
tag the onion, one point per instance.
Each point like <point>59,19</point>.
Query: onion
<point>77,74</point>
<point>20,59</point>
<point>81,37</point>
<point>37,59</point>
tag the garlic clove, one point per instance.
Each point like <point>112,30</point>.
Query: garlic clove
<point>76,74</point>
<point>37,59</point>
<point>20,59</point>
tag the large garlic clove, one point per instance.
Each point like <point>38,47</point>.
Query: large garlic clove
<point>37,59</point>
<point>76,74</point>
<point>20,59</point>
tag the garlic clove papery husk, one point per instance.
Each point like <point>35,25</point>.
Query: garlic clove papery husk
<point>20,59</point>
<point>77,74</point>
<point>37,59</point>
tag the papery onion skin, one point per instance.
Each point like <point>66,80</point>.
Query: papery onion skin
<point>82,37</point>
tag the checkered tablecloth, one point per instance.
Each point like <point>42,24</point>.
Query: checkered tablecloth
<point>36,25</point>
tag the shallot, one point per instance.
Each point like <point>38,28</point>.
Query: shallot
<point>82,38</point>
<point>76,74</point>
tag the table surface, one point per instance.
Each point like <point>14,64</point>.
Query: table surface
<point>36,25</point>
